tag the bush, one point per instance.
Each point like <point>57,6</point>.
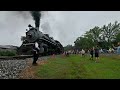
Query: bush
<point>7,53</point>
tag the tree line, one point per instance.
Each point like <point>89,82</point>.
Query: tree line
<point>105,37</point>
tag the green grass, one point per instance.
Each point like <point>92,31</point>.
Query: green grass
<point>77,67</point>
<point>7,53</point>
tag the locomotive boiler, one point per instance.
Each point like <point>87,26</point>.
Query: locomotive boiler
<point>47,45</point>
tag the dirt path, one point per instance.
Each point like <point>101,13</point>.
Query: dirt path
<point>30,71</point>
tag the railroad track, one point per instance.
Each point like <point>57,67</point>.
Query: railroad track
<point>20,57</point>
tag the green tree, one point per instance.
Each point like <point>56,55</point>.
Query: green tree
<point>110,32</point>
<point>68,47</point>
<point>83,43</point>
<point>93,36</point>
<point>117,39</point>
<point>104,37</point>
<point>96,34</point>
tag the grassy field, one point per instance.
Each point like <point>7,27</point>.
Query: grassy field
<point>77,67</point>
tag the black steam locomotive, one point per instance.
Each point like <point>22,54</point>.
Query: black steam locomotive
<point>47,45</point>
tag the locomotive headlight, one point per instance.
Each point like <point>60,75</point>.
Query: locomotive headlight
<point>30,35</point>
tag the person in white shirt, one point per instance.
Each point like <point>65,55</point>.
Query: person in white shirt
<point>36,50</point>
<point>83,52</point>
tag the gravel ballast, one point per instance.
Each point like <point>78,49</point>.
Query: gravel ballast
<point>10,69</point>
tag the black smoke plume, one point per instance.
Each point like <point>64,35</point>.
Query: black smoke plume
<point>36,16</point>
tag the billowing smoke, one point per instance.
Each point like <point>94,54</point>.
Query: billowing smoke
<point>36,16</point>
<point>46,28</point>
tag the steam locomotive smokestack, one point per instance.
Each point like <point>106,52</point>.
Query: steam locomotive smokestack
<point>36,16</point>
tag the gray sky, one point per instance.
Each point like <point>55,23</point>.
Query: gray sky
<point>64,26</point>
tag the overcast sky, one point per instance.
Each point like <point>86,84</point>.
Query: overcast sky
<point>64,26</point>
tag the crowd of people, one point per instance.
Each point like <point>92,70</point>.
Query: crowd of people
<point>92,51</point>
<point>95,51</point>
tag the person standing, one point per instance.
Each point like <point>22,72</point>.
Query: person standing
<point>96,53</point>
<point>118,48</point>
<point>91,53</point>
<point>83,52</point>
<point>35,53</point>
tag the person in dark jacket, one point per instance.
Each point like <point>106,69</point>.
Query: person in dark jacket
<point>91,53</point>
<point>96,53</point>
